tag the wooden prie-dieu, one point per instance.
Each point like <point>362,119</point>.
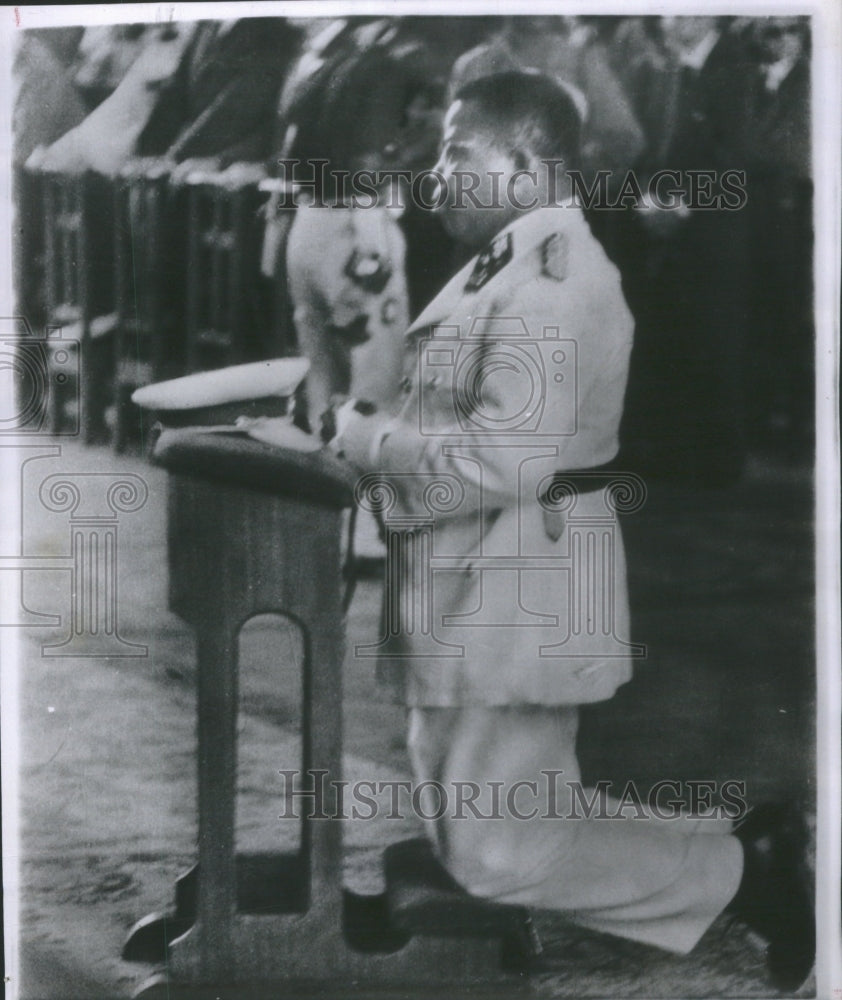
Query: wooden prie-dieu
<point>255,529</point>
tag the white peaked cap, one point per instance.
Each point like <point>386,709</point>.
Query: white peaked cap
<point>238,383</point>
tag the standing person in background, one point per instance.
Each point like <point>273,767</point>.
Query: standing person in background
<point>205,90</point>
<point>685,266</point>
<point>780,349</point>
<point>347,284</point>
<point>638,54</point>
<point>105,54</point>
<point>346,265</point>
<point>108,137</point>
<point>47,102</point>
<point>329,104</point>
<point>223,104</point>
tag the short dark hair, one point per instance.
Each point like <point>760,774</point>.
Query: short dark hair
<point>528,109</point>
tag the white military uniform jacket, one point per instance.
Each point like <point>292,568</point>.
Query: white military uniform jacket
<point>345,268</point>
<point>505,586</point>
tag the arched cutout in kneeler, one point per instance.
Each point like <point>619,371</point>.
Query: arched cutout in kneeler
<point>256,529</point>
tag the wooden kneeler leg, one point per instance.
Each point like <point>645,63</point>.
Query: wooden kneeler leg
<point>276,925</point>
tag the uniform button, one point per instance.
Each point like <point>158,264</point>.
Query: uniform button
<point>406,384</point>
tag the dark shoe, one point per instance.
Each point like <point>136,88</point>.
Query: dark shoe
<point>774,897</point>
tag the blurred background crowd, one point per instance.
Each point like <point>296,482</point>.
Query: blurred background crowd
<point>152,224</point>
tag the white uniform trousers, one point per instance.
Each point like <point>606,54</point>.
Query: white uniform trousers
<point>656,880</point>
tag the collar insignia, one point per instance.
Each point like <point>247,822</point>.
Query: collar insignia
<point>493,259</point>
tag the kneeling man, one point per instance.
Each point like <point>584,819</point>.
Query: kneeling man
<point>506,603</point>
